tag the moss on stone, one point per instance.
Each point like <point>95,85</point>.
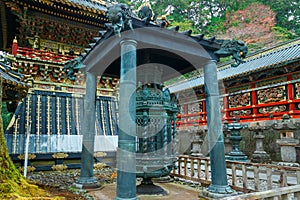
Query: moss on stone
<point>12,184</point>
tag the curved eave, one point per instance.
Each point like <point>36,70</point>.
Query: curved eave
<point>88,13</point>
<point>11,77</point>
<point>103,55</point>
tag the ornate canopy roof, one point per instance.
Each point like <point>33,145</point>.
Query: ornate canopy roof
<point>182,51</point>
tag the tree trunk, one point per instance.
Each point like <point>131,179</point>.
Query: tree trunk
<point>12,184</point>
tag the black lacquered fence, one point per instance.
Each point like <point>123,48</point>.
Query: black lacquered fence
<point>54,122</point>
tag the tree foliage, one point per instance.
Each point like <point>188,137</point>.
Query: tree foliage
<point>210,16</point>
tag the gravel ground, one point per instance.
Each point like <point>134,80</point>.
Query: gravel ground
<point>62,183</point>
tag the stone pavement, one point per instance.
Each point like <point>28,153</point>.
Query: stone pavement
<point>175,192</point>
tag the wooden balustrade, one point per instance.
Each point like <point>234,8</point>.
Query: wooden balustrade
<point>284,193</point>
<point>242,176</point>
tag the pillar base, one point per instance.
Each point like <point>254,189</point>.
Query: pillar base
<point>237,156</point>
<point>87,183</point>
<point>119,198</point>
<point>260,157</point>
<point>217,192</point>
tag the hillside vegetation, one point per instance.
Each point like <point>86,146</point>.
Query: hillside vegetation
<point>260,23</point>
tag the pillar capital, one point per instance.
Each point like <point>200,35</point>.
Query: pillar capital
<point>128,42</point>
<point>212,61</point>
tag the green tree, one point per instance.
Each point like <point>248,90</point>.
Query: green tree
<point>287,13</point>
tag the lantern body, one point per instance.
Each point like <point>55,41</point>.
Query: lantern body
<point>156,112</point>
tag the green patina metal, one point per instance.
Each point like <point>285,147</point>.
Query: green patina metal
<point>120,16</point>
<point>235,137</point>
<point>149,112</point>
<point>235,48</point>
<point>156,112</point>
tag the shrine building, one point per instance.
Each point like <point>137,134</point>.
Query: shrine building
<point>263,88</point>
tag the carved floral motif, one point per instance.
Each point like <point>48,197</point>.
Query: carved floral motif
<point>297,90</point>
<point>271,95</point>
<point>240,113</point>
<point>239,100</point>
<point>272,109</point>
<point>195,107</point>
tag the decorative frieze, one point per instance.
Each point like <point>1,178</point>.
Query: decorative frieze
<point>297,90</point>
<point>239,100</point>
<point>240,113</point>
<point>269,95</point>
<point>272,109</point>
<point>271,81</point>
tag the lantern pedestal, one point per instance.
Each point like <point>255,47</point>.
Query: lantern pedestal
<point>235,138</point>
<point>147,187</point>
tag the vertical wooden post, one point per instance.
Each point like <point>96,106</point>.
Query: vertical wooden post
<point>192,168</point>
<point>269,178</point>
<point>199,168</point>
<point>244,175</point>
<point>256,178</point>
<point>206,169</point>
<point>233,173</point>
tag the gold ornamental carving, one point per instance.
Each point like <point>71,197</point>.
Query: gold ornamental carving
<point>30,156</point>
<point>100,154</point>
<point>29,169</point>
<point>60,167</point>
<point>60,155</point>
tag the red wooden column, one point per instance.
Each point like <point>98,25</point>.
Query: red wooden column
<point>290,93</point>
<point>226,105</point>
<point>204,110</point>
<point>185,115</point>
<point>254,101</point>
<point>185,109</point>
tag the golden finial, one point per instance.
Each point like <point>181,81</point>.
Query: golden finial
<point>15,40</point>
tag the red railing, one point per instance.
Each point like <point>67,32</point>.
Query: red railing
<point>255,109</point>
<point>43,55</point>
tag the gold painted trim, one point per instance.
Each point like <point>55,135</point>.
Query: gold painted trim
<point>100,154</point>
<point>60,167</point>
<point>58,115</point>
<point>49,114</point>
<point>30,156</point>
<point>98,166</point>
<point>60,155</point>
<point>38,114</point>
<point>29,169</point>
<point>68,117</point>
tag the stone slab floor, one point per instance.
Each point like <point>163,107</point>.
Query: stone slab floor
<point>175,192</point>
